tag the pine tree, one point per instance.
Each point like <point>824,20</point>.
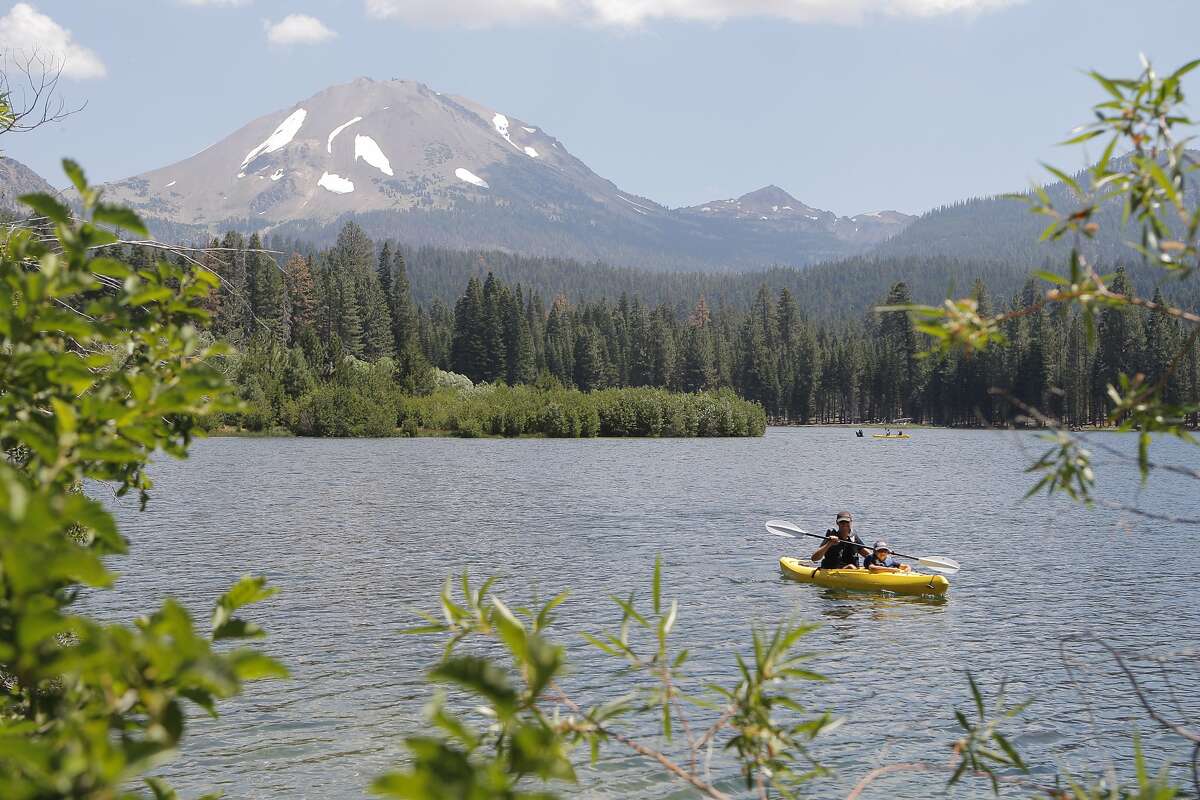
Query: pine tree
<point>386,267</point>
<point>377,340</point>
<point>469,350</point>
<point>662,348</point>
<point>518,343</point>
<point>1119,342</point>
<point>232,313</point>
<point>412,368</point>
<point>560,342</point>
<point>268,306</point>
<point>301,294</point>
<point>345,313</point>
<point>589,362</point>
<point>899,356</point>
<point>496,355</point>
<point>696,365</point>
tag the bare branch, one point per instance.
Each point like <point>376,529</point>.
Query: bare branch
<point>32,98</point>
<point>1143,699</point>
<point>649,752</point>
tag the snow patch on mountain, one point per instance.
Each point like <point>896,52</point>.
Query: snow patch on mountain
<point>284,134</point>
<point>471,177</point>
<point>529,151</point>
<point>333,134</point>
<point>277,174</point>
<point>169,185</point>
<point>335,183</point>
<point>501,124</point>
<point>641,209</point>
<point>368,150</point>
<point>529,130</point>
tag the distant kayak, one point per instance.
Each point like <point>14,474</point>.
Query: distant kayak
<point>890,436</point>
<point>896,582</point>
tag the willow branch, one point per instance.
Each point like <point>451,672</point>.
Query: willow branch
<point>643,750</point>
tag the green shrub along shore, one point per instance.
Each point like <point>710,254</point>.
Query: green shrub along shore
<point>363,399</point>
<point>569,413</point>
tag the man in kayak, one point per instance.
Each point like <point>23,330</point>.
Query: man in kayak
<point>880,560</point>
<point>842,547</point>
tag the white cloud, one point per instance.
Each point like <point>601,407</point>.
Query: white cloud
<point>298,29</point>
<point>27,33</point>
<point>214,2</point>
<point>469,13</point>
<point>631,13</point>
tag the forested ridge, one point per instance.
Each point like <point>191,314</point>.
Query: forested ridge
<point>322,335</point>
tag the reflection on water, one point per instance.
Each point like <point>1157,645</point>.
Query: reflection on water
<point>357,533</point>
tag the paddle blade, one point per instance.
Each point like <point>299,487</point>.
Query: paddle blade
<point>946,566</point>
<point>781,527</point>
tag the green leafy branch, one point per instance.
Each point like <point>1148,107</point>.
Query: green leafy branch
<point>536,723</point>
<point>100,366</point>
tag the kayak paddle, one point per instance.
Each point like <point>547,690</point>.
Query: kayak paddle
<point>946,566</point>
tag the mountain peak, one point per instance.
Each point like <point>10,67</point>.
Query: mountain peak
<point>770,195</point>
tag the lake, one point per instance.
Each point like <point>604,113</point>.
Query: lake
<point>356,533</point>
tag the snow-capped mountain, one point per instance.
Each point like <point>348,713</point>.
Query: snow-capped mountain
<point>427,168</point>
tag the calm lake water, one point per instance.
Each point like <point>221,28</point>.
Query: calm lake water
<point>356,533</point>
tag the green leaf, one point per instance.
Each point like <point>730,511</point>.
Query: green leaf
<point>481,676</point>
<point>1013,756</point>
<point>48,207</point>
<point>433,628</point>
<point>120,217</point>
<point>75,173</point>
<point>251,665</point>
<point>1186,68</point>
<point>543,617</point>
<point>630,611</point>
<point>599,645</point>
<point>656,584</point>
<point>511,631</point>
<point>248,590</point>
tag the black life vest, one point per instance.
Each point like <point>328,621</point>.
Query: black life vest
<point>842,555</point>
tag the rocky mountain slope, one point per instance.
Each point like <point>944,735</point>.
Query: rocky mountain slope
<point>17,179</point>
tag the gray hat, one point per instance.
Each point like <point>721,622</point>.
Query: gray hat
<point>882,545</point>
<point>844,515</point>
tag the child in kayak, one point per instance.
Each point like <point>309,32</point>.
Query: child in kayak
<point>881,560</point>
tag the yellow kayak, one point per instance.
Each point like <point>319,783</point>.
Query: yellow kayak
<point>890,436</point>
<point>896,582</point>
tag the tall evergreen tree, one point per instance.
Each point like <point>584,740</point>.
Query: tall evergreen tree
<point>469,348</point>
<point>518,343</point>
<point>301,295</point>
<point>589,362</point>
<point>268,300</point>
<point>495,366</point>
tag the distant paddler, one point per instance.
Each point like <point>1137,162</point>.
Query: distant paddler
<point>842,547</point>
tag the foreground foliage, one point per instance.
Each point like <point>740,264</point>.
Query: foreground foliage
<point>100,366</point>
<point>533,722</point>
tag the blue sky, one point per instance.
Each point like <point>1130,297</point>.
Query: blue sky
<point>850,105</point>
